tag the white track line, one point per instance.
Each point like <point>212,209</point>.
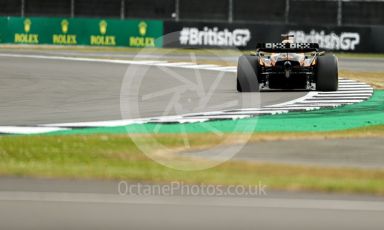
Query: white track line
<point>28,130</point>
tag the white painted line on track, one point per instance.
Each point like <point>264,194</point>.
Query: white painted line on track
<point>115,123</point>
<point>28,130</point>
<point>201,66</point>
<point>354,87</point>
<point>175,64</point>
<point>334,102</point>
<point>220,68</point>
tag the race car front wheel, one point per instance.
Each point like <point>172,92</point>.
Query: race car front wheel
<point>327,73</point>
<point>247,74</point>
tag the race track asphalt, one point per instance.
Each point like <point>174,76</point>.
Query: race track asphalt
<point>43,91</point>
<point>351,152</point>
<point>345,63</point>
<point>59,204</point>
<point>35,91</point>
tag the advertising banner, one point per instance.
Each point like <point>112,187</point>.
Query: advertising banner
<point>209,35</point>
<point>81,31</point>
<point>149,33</point>
<point>344,39</point>
<point>246,36</point>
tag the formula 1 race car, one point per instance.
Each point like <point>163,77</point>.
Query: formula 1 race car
<point>287,65</point>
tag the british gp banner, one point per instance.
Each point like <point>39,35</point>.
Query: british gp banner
<point>247,36</point>
<point>208,35</point>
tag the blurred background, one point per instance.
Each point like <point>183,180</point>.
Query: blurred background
<point>300,12</point>
<point>337,25</point>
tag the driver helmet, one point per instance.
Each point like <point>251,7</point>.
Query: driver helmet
<point>287,38</point>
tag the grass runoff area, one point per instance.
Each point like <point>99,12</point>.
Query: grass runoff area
<point>110,154</point>
<point>102,155</point>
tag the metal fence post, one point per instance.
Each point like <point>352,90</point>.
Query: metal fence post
<point>122,10</point>
<point>230,11</point>
<point>72,8</point>
<point>22,10</point>
<point>177,9</point>
<point>339,12</point>
<point>287,8</point>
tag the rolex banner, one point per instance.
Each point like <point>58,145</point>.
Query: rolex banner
<point>77,31</point>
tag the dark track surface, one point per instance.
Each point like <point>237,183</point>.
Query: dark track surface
<point>49,204</point>
<point>36,91</point>
<point>351,64</point>
<point>352,152</point>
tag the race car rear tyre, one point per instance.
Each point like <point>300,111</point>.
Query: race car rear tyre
<point>247,74</point>
<point>327,73</point>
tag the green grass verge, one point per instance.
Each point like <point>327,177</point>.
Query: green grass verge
<point>117,157</point>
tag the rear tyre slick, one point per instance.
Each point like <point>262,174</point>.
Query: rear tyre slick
<point>247,74</point>
<point>327,78</point>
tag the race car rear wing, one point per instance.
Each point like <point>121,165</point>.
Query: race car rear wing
<point>287,47</point>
